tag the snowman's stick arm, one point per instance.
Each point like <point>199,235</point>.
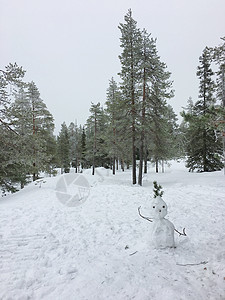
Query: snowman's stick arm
<point>146,218</point>
<point>181,233</point>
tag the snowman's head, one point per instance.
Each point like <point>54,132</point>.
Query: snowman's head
<point>158,208</point>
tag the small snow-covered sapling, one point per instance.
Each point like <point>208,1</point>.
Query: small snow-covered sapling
<point>156,189</point>
<point>162,229</point>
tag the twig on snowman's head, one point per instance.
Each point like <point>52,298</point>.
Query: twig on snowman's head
<point>146,218</point>
<point>181,233</point>
<point>156,190</point>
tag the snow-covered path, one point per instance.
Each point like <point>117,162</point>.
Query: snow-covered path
<point>101,249</point>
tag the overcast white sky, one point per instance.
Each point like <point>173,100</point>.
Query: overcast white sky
<point>70,48</point>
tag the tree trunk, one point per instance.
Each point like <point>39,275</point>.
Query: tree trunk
<point>114,165</point>
<point>34,150</point>
<point>204,152</point>
<point>163,169</point>
<point>134,178</point>
<point>146,164</point>
<point>122,164</point>
<point>157,165</point>
<point>117,164</point>
<point>34,173</point>
<point>76,167</point>
<point>114,147</point>
<point>133,113</point>
<point>95,146</point>
<point>134,160</point>
<point>141,150</point>
<point>140,174</point>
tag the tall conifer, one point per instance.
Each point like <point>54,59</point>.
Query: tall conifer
<point>130,74</point>
<point>204,148</point>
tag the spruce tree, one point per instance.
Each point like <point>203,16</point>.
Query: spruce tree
<point>28,140</point>
<point>219,119</point>
<point>204,149</point>
<point>63,149</point>
<point>112,105</point>
<point>95,130</point>
<point>158,113</point>
<point>83,149</point>
<point>73,145</point>
<point>10,80</point>
<point>42,129</point>
<point>20,115</point>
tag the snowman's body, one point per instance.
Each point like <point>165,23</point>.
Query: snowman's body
<point>162,229</point>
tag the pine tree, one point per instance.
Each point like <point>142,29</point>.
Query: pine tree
<point>130,75</point>
<point>155,89</point>
<point>147,66</point>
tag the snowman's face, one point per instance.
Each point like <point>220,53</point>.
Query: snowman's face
<point>158,208</point>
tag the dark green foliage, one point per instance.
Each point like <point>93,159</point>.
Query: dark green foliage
<point>145,88</point>
<point>26,131</point>
<point>96,127</point>
<point>63,149</point>
<point>204,147</point>
<point>11,169</point>
<point>157,189</point>
<point>115,133</point>
<point>130,59</point>
<point>83,149</point>
<point>41,128</point>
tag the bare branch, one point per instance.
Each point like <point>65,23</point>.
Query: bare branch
<point>181,233</point>
<point>146,218</point>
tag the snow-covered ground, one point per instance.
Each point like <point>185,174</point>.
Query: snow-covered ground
<point>101,249</point>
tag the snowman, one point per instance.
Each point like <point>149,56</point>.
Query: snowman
<point>162,229</point>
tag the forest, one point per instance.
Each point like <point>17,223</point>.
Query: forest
<point>136,124</point>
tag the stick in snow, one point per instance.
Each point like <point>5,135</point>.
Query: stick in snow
<point>201,263</point>
<point>133,253</point>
